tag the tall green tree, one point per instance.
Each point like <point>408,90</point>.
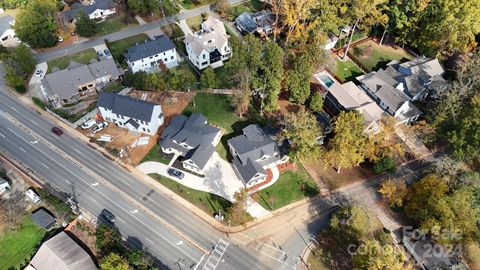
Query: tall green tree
<point>85,26</point>
<point>272,74</point>
<point>23,56</point>
<point>350,146</point>
<point>351,223</point>
<point>372,255</point>
<point>113,261</point>
<point>302,129</point>
<point>298,78</point>
<point>238,210</point>
<point>208,79</point>
<point>221,7</point>
<point>35,24</point>
<point>316,102</point>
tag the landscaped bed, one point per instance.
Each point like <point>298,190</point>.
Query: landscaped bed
<point>374,56</point>
<point>195,22</point>
<point>346,70</point>
<point>117,48</point>
<point>17,247</point>
<point>155,154</point>
<point>82,57</point>
<point>209,203</point>
<point>293,185</point>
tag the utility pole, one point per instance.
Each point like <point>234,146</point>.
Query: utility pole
<point>73,200</point>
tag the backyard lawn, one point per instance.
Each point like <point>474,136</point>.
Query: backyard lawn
<point>195,22</point>
<point>292,186</point>
<point>117,48</point>
<point>346,71</point>
<point>155,155</point>
<point>17,247</point>
<point>374,56</point>
<point>250,6</point>
<point>209,203</point>
<point>113,25</point>
<point>82,57</point>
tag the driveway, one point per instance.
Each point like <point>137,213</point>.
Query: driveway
<point>220,179</point>
<point>35,81</point>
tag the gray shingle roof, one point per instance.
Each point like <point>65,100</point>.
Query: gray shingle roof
<point>62,253</point>
<point>2,181</point>
<point>126,106</point>
<point>149,48</point>
<point>193,131</point>
<point>76,9</point>
<point>249,170</point>
<point>43,219</point>
<point>5,23</point>
<point>65,82</point>
<point>251,22</point>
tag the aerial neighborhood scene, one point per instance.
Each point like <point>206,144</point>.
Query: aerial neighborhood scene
<point>239,134</point>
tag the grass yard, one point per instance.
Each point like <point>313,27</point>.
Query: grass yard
<point>250,6</point>
<point>117,48</point>
<point>155,155</point>
<point>82,57</point>
<point>114,25</point>
<point>316,261</point>
<point>290,187</point>
<point>343,41</point>
<point>195,22</point>
<point>17,247</point>
<point>347,71</point>
<point>374,56</point>
<point>189,4</point>
<point>209,203</point>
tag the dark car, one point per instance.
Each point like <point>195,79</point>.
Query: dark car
<point>57,131</point>
<point>107,52</point>
<point>108,215</point>
<point>176,173</point>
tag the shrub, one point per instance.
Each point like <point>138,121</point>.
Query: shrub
<point>383,165</point>
<point>39,103</point>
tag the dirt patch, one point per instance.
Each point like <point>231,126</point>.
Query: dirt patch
<point>123,140</point>
<point>84,232</point>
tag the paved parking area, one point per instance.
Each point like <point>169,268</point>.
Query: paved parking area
<point>35,81</point>
<point>102,48</point>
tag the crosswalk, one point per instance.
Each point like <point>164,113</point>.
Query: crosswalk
<point>216,255</point>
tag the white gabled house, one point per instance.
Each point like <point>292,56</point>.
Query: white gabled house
<point>134,114</point>
<point>97,10</point>
<point>149,55</point>
<point>209,46</point>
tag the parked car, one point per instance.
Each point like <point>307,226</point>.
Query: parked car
<point>88,124</point>
<point>57,131</point>
<point>60,39</point>
<point>99,127</point>
<point>175,173</point>
<point>100,54</point>
<point>108,215</point>
<point>107,52</point>
<point>39,73</point>
<point>33,196</point>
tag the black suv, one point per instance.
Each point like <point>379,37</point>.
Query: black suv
<point>176,173</point>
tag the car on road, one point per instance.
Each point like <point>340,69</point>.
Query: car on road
<point>99,127</point>
<point>107,53</point>
<point>175,173</point>
<point>33,196</point>
<point>57,131</point>
<point>39,73</point>
<point>108,215</point>
<point>88,124</point>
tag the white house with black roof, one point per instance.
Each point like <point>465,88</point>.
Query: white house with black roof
<point>96,10</point>
<point>193,139</point>
<point>134,114</point>
<point>253,153</point>
<point>148,56</point>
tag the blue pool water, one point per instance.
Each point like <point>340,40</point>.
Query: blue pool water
<point>326,80</point>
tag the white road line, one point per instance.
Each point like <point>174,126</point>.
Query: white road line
<point>123,221</point>
<point>151,242</point>
<point>13,108</point>
<point>45,165</point>
<point>76,150</point>
<point>22,149</point>
<point>35,123</point>
<point>1,135</point>
<point>107,198</point>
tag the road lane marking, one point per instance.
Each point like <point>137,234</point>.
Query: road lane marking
<point>22,149</point>
<point>151,242</point>
<point>35,123</point>
<point>13,109</point>
<point>134,211</point>
<point>123,221</point>
<point>1,135</point>
<point>76,150</point>
<point>45,165</point>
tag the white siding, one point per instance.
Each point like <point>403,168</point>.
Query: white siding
<point>169,58</point>
<point>149,127</point>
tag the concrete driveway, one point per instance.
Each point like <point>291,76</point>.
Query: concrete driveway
<point>35,81</point>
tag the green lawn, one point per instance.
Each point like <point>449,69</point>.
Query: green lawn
<point>189,4</point>
<point>342,42</point>
<point>290,187</point>
<point>195,22</point>
<point>155,155</point>
<point>250,6</point>
<point>316,261</point>
<point>209,203</point>
<point>17,247</point>
<point>346,71</point>
<point>82,57</point>
<point>117,48</point>
<point>114,25</point>
<point>374,56</point>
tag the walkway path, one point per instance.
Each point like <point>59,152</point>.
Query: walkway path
<point>184,26</point>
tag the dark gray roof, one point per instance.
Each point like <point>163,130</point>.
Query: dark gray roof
<point>2,181</point>
<point>252,144</point>
<point>126,106</point>
<point>133,123</point>
<point>76,9</point>
<point>193,131</point>
<point>5,23</point>
<point>62,253</point>
<point>146,49</point>
<point>251,22</point>
<point>43,219</point>
<point>248,170</point>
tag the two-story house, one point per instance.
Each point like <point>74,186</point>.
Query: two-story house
<point>96,10</point>
<point>209,46</point>
<point>253,153</point>
<point>193,139</point>
<point>126,112</point>
<point>68,85</point>
<point>150,55</point>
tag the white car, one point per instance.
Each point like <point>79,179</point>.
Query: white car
<point>39,73</point>
<point>32,195</point>
<point>88,124</point>
<point>99,127</point>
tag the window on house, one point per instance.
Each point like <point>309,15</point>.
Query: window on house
<point>90,85</point>
<point>156,55</point>
<point>165,60</point>
<point>171,58</point>
<point>150,57</point>
<point>203,56</point>
<point>148,130</point>
<point>204,63</point>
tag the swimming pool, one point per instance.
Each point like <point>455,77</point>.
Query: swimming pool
<point>324,79</point>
